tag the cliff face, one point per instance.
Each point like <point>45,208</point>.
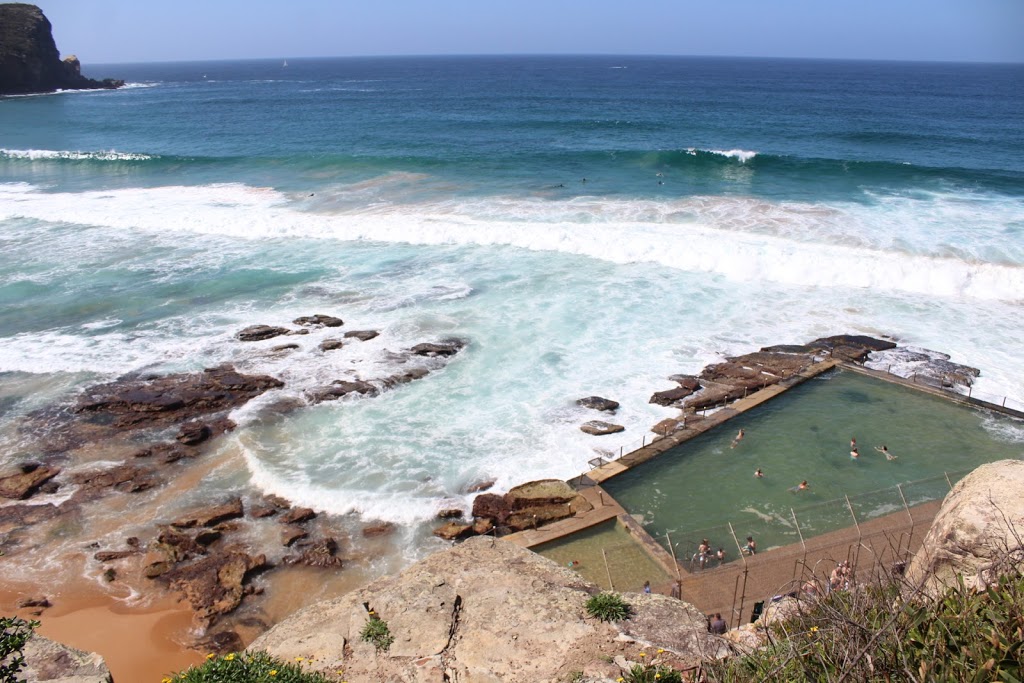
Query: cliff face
<point>488,611</point>
<point>29,60</point>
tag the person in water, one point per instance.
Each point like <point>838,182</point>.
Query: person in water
<point>854,453</point>
<point>853,443</point>
<point>758,473</point>
<point>803,485</point>
<point>884,450</point>
<point>736,441</point>
<point>751,547</point>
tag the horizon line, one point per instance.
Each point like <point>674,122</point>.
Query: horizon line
<point>566,54</point>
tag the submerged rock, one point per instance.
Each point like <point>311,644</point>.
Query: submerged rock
<point>447,347</point>
<point>331,344</point>
<point>599,428</point>
<point>214,585</point>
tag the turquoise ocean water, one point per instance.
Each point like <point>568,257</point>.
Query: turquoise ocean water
<point>591,225</point>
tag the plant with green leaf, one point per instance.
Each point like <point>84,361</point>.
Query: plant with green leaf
<point>246,667</point>
<point>889,632</point>
<point>376,631</point>
<point>608,607</point>
<point>652,673</point>
<point>14,633</point>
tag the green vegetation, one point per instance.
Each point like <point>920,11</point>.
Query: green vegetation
<point>608,607</point>
<point>246,667</point>
<point>376,631</point>
<point>877,633</point>
<point>14,633</point>
<point>651,673</point>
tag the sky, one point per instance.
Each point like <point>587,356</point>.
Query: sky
<point>119,31</point>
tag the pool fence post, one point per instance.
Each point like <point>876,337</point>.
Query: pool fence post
<point>743,594</point>
<point>672,549</point>
<point>611,586</point>
<point>910,516</point>
<point>948,482</point>
<point>643,441</point>
<point>803,544</point>
<point>860,536</point>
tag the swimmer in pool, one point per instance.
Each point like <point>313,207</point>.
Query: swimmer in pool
<point>736,441</point>
<point>884,450</point>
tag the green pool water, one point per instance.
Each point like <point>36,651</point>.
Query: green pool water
<point>627,562</point>
<point>695,490</point>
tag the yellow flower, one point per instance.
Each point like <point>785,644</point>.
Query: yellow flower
<point>660,650</point>
<point>298,659</point>
<point>229,657</point>
<point>643,654</point>
<point>657,676</point>
<point>620,679</point>
<point>273,672</point>
<point>210,656</point>
<point>814,629</point>
<point>166,680</point>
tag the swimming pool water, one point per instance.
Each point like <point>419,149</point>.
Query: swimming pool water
<point>699,487</point>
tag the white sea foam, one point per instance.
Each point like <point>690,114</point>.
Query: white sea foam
<point>43,154</point>
<point>743,240</point>
<point>741,154</point>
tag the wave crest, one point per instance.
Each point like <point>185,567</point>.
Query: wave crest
<point>73,155</point>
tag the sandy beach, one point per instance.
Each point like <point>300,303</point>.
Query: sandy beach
<point>143,643</point>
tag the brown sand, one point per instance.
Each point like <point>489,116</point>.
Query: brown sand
<point>139,644</point>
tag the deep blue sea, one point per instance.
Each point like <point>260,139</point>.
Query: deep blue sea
<point>591,225</point>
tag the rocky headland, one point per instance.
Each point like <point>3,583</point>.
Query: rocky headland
<point>29,59</point>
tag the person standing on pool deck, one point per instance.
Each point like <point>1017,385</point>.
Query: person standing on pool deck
<point>736,441</point>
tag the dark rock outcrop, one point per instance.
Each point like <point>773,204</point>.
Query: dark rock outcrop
<point>136,403</point>
<point>211,516</point>
<point>597,403</point>
<point>320,553</point>
<point>27,481</point>
<point>331,344</point>
<point>29,60</point>
<point>319,320</point>
<point>214,585</point>
<point>260,332</point>
<point>362,335</point>
<point>447,347</point>
<point>526,506</point>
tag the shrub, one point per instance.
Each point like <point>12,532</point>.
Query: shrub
<point>608,607</point>
<point>246,667</point>
<point>650,673</point>
<point>376,631</point>
<point>14,633</point>
<point>880,633</point>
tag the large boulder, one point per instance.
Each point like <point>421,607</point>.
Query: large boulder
<point>52,662</point>
<point>260,332</point>
<point>29,59</point>
<point>485,611</point>
<point>977,531</point>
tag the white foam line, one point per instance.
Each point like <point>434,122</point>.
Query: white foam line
<point>701,239</point>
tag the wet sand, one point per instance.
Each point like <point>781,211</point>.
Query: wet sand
<point>139,643</point>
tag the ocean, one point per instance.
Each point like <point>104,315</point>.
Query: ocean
<point>589,225</point>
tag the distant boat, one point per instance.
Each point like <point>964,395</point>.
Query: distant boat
<point>285,63</point>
